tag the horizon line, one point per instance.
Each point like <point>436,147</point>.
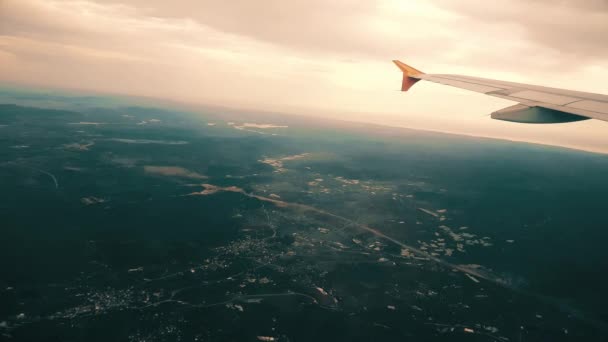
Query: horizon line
<point>188,103</point>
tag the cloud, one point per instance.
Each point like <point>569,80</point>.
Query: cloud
<point>575,30</point>
<point>312,38</point>
<point>345,29</point>
<point>543,34</point>
<point>316,57</point>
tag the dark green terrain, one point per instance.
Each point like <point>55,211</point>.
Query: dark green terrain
<point>126,221</point>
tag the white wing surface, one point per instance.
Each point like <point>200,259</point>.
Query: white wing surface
<point>536,104</point>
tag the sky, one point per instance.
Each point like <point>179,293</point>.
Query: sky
<point>317,57</point>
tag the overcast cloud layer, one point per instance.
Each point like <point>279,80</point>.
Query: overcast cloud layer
<point>317,57</point>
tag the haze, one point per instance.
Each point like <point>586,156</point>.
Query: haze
<point>318,58</point>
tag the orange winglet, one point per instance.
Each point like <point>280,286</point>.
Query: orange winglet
<point>408,69</point>
<point>409,75</point>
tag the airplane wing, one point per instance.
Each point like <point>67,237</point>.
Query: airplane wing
<point>536,104</point>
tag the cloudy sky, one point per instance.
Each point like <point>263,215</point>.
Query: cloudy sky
<point>318,57</point>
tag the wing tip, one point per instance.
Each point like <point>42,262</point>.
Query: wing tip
<point>406,69</point>
<point>410,75</point>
